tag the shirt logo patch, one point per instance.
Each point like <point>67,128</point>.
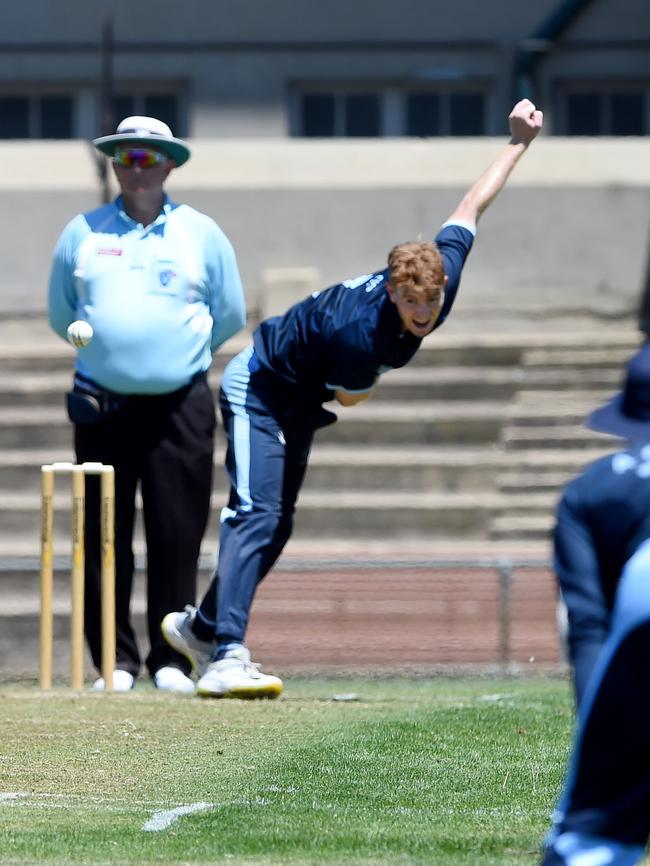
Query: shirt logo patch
<point>166,277</point>
<point>109,251</point>
<point>625,462</point>
<point>374,282</point>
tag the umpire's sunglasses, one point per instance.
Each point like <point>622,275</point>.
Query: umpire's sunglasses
<point>127,157</point>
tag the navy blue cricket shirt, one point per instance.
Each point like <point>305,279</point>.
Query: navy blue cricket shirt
<point>602,518</point>
<point>346,336</point>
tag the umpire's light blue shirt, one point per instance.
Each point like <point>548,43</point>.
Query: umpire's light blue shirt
<point>160,298</point>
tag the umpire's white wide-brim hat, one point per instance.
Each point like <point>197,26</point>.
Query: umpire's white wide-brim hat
<point>147,131</point>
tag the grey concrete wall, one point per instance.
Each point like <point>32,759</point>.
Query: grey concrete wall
<point>568,237</point>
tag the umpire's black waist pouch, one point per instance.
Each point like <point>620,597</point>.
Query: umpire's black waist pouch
<point>89,403</point>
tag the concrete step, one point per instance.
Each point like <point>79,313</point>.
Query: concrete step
<point>342,512</point>
<point>553,460</point>
<point>382,423</point>
<point>533,527</point>
<point>35,427</point>
<point>47,352</point>
<point>397,423</point>
<point>562,436</point>
<point>331,467</point>
<point>48,387</point>
<point>553,408</point>
<point>488,383</point>
<point>561,415</point>
<point>33,346</point>
<point>561,398</point>
<point>532,482</point>
<point>613,357</point>
<point>436,468</point>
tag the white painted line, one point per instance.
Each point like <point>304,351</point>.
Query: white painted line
<point>12,795</point>
<point>162,820</point>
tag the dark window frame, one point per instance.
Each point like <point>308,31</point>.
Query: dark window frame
<point>408,93</point>
<point>606,122</point>
<point>33,124</point>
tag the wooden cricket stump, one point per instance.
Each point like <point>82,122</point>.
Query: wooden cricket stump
<point>78,473</point>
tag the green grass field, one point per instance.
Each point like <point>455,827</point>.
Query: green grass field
<point>441,772</point>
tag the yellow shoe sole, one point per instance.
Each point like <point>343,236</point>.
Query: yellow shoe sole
<point>270,692</point>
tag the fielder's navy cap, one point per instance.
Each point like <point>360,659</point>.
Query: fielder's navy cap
<point>628,413</point>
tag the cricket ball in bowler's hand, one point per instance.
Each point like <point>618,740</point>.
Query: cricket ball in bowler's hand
<point>80,333</point>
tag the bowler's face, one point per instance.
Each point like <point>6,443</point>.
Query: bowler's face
<point>416,309</point>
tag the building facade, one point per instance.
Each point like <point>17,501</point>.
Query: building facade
<point>322,134</point>
<point>348,68</point>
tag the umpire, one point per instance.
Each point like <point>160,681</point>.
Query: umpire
<point>159,284</point>
<point>602,558</point>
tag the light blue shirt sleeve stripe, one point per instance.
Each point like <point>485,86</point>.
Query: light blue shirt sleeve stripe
<point>350,390</point>
<point>464,224</point>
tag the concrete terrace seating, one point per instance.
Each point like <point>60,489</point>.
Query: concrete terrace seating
<point>470,441</point>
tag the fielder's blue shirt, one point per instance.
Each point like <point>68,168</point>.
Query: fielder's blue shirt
<point>602,519</point>
<point>344,337</point>
<point>160,298</point>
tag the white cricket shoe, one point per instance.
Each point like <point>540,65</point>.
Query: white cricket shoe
<point>177,631</point>
<point>236,676</point>
<point>123,681</point>
<point>171,679</point>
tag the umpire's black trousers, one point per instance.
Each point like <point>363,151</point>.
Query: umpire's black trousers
<point>164,444</point>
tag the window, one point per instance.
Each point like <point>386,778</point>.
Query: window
<point>466,114</point>
<point>14,117</point>
<point>362,115</point>
<point>164,106</point>
<point>36,116</point>
<point>607,111</point>
<point>627,113</point>
<point>318,115</point>
<point>55,116</point>
<point>401,110</point>
<point>422,114</point>
<point>583,110</point>
<point>324,115</point>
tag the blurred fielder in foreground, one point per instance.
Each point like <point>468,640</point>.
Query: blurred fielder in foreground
<point>332,346</point>
<point>602,556</point>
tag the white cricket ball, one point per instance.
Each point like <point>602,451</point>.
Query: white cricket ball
<point>80,333</point>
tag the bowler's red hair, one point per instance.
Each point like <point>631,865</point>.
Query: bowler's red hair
<point>418,266</point>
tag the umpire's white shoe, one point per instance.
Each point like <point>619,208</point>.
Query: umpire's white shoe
<point>236,676</point>
<point>177,631</point>
<point>123,681</point>
<point>171,679</point>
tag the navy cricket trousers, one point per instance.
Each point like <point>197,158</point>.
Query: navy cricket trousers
<point>266,459</point>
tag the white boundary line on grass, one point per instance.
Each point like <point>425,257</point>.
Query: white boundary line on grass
<point>162,820</point>
<point>159,820</point>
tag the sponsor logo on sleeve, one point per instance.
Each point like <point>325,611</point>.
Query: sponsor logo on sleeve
<point>166,277</point>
